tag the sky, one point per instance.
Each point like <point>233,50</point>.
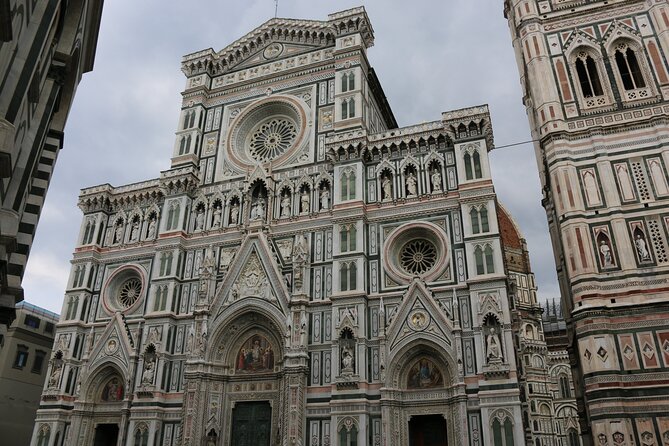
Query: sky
<point>431,56</point>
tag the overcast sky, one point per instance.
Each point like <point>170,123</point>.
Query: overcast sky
<point>430,56</point>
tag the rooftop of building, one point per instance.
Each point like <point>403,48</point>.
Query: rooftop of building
<point>553,317</point>
<point>38,311</point>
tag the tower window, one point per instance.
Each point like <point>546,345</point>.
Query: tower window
<point>348,276</point>
<point>588,76</point>
<point>347,238</point>
<point>348,185</point>
<point>472,163</point>
<point>479,218</point>
<point>347,81</point>
<point>348,108</point>
<point>485,261</point>
<point>628,67</point>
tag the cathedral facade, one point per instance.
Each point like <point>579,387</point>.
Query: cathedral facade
<point>596,86</point>
<point>305,273</point>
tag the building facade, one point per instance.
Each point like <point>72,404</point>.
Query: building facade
<point>45,47</point>
<point>25,350</point>
<point>595,84</point>
<point>306,272</point>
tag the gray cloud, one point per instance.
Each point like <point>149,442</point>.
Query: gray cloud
<point>430,55</point>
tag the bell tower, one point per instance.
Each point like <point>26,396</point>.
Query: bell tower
<point>596,88</point>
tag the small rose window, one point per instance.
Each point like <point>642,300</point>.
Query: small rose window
<point>129,292</point>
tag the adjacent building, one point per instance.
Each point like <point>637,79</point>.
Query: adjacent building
<point>596,87</point>
<point>306,272</point>
<point>25,350</point>
<point>45,47</point>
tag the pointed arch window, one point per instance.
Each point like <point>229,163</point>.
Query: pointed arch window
<point>142,436</point>
<point>572,438</point>
<point>348,108</point>
<point>173,216</point>
<point>347,238</point>
<point>72,305</point>
<point>182,145</point>
<point>88,232</point>
<point>348,437</point>
<point>160,302</point>
<point>348,81</point>
<point>628,67</point>
<point>348,272</point>
<point>347,181</point>
<point>484,258</point>
<point>472,161</point>
<point>479,219</point>
<point>564,387</point>
<point>502,432</point>
<point>588,75</point>
<point>43,436</point>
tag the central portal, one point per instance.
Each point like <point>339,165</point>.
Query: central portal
<point>251,424</point>
<point>106,435</point>
<point>427,430</point>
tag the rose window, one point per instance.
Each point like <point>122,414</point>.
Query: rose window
<point>418,256</point>
<point>272,138</point>
<point>129,292</point>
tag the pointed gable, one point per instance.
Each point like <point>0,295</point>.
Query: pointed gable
<point>419,315</point>
<point>253,274</point>
<point>114,345</point>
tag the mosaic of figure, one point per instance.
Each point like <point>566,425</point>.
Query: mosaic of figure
<point>112,391</point>
<point>424,375</point>
<point>256,355</point>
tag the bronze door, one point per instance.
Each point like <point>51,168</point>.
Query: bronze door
<point>251,424</point>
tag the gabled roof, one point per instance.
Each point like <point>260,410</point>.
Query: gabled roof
<point>311,32</point>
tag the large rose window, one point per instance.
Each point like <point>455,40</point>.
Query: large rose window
<point>271,139</point>
<point>418,249</point>
<point>129,292</point>
<point>418,256</point>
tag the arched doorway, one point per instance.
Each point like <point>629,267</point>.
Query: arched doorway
<point>105,395</point>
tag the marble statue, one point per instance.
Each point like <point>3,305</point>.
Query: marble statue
<point>305,202</point>
<point>411,184</point>
<point>151,232</point>
<point>325,199</point>
<point>216,222</point>
<point>436,180</point>
<point>285,206</point>
<point>387,187</point>
<point>234,214</point>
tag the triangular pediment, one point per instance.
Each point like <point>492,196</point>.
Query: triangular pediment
<point>275,51</point>
<point>253,274</point>
<point>419,315</point>
<point>115,344</point>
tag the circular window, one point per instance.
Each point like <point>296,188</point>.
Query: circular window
<point>418,249</point>
<point>273,129</point>
<point>418,256</point>
<point>129,292</point>
<point>271,139</point>
<point>124,289</point>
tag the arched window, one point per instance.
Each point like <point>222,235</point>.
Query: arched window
<point>84,309</point>
<point>344,109</point>
<point>43,436</point>
<point>572,438</point>
<point>468,166</point>
<point>628,67</point>
<point>474,216</point>
<point>565,388</point>
<point>192,119</point>
<point>142,435</point>
<point>347,82</point>
<point>160,302</point>
<point>182,145</point>
<point>88,233</point>
<point>348,185</point>
<point>348,437</point>
<point>165,263</point>
<point>188,141</point>
<point>72,305</point>
<point>347,238</point>
<point>484,219</point>
<point>588,76</point>
<point>173,216</point>
<point>351,107</point>
<point>502,432</point>
<point>348,276</point>
<point>485,262</point>
<point>489,260</point>
<point>472,163</point>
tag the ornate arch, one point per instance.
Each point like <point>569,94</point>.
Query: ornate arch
<point>97,379</point>
<point>401,362</point>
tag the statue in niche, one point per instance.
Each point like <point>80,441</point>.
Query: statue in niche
<point>258,208</point>
<point>325,198</point>
<point>423,375</point>
<point>493,346</point>
<point>56,372</point>
<point>113,391</point>
<point>412,183</point>
<point>118,232</point>
<point>216,221</point>
<point>386,188</point>
<point>305,201</point>
<point>435,178</point>
<point>151,231</point>
<point>134,231</point>
<point>234,214</point>
<point>347,360</point>
<point>190,339</point>
<point>149,371</point>
<point>202,340</point>
<point>641,247</point>
<point>199,219</point>
<point>605,251</point>
<point>285,205</point>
